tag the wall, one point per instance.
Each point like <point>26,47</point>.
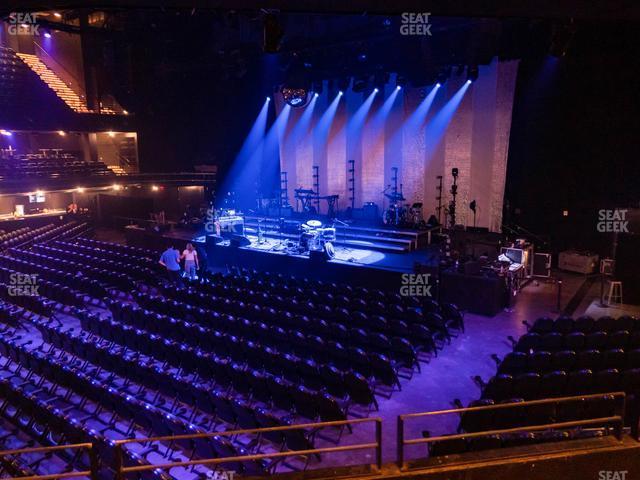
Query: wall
<point>468,130</point>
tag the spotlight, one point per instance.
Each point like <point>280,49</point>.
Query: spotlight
<point>438,85</point>
<point>340,93</point>
<point>398,87</point>
<point>47,35</point>
<point>268,99</point>
<point>6,133</point>
<point>125,112</point>
<point>296,97</point>
<point>375,90</point>
<point>468,81</point>
<point>315,94</point>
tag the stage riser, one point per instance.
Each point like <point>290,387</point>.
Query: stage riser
<point>351,241</point>
<point>380,239</point>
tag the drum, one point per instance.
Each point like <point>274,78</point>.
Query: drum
<point>329,250</point>
<point>306,240</point>
<point>328,234</point>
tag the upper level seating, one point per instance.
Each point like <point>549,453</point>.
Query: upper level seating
<point>22,92</point>
<point>49,164</point>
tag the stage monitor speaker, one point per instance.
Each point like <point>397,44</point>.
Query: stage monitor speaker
<point>542,265</point>
<point>239,241</point>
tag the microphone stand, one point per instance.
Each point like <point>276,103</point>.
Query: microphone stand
<point>344,234</point>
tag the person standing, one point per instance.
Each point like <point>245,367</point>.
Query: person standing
<point>170,259</point>
<point>190,256</point>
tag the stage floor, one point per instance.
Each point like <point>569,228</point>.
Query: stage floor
<point>396,262</point>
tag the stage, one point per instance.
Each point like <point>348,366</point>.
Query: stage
<point>359,266</point>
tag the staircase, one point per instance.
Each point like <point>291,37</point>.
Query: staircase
<point>62,90</point>
<point>117,169</point>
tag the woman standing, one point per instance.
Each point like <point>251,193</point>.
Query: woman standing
<point>190,261</point>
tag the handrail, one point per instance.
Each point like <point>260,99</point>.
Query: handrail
<point>121,470</point>
<point>93,461</point>
<point>66,71</point>
<point>617,419</point>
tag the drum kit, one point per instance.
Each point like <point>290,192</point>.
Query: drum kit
<point>402,215</point>
<point>315,237</point>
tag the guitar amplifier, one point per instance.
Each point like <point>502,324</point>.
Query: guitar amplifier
<point>542,265</point>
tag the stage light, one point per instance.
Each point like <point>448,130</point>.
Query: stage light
<point>315,95</point>
<point>6,133</point>
<point>155,188</point>
<point>39,192</point>
<point>398,87</point>
<point>115,186</point>
<point>57,14</point>
<point>438,85</point>
<point>296,97</point>
<point>468,81</point>
<point>340,93</point>
<point>125,112</point>
<point>375,90</point>
<point>62,133</point>
<point>47,35</point>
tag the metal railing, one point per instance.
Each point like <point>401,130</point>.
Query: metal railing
<point>122,470</point>
<point>93,461</point>
<point>617,419</point>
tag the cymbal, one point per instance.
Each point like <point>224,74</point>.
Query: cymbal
<point>314,223</point>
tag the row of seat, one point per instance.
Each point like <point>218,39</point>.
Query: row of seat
<point>94,260</point>
<point>32,284</point>
<point>554,341</point>
<point>280,329</point>
<point>585,324</point>
<point>130,259</point>
<point>74,281</point>
<point>236,364</point>
<point>568,360</point>
<point>223,405</point>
